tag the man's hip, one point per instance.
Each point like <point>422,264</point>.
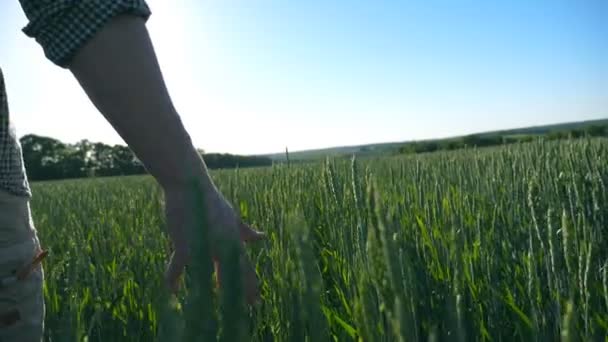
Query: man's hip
<point>21,274</point>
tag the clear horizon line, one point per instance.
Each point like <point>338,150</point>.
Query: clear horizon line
<point>359,144</point>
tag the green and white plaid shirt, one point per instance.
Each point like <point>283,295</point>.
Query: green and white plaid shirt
<point>61,27</point>
<point>12,173</point>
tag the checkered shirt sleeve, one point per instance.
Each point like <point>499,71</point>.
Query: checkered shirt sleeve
<point>62,27</point>
<point>12,172</point>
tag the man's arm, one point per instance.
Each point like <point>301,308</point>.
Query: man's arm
<point>119,71</point>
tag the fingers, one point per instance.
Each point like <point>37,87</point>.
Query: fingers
<point>218,273</point>
<point>250,281</point>
<point>174,271</point>
<point>247,275</point>
<point>249,234</point>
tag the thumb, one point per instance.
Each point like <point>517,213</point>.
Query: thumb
<point>249,234</point>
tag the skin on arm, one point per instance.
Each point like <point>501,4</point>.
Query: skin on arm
<point>119,72</point>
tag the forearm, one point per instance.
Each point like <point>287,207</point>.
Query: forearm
<point>119,72</point>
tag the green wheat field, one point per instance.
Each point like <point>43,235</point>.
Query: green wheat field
<point>500,244</point>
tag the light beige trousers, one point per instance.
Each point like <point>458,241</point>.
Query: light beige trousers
<point>21,301</point>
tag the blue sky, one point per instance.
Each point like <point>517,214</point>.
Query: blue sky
<point>253,76</point>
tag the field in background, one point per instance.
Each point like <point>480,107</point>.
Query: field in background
<point>499,244</point>
<point>593,128</point>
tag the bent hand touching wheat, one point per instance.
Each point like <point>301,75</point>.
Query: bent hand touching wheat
<point>223,224</point>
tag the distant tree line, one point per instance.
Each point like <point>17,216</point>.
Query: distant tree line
<point>47,159</point>
<point>485,140</point>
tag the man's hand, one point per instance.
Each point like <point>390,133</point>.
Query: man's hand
<point>223,224</point>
